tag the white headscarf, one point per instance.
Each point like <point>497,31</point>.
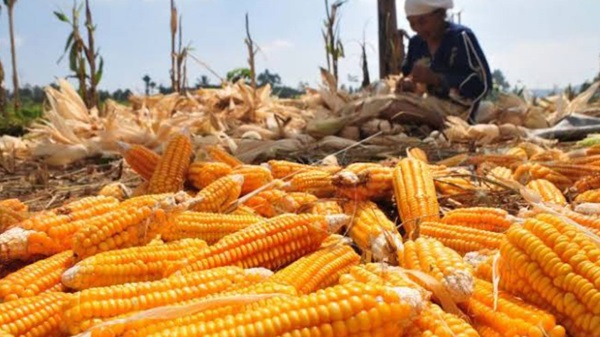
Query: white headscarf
<point>420,7</point>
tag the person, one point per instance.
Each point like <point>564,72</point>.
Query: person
<point>445,58</point>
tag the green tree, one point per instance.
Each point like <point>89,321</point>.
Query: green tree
<point>267,77</point>
<point>147,81</point>
<point>239,74</point>
<point>499,80</point>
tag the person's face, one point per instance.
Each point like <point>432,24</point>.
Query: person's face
<point>427,25</point>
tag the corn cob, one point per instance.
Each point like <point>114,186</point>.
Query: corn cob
<point>141,159</point>
<point>152,199</point>
<point>9,218</point>
<point>506,160</point>
<point>551,264</point>
<point>347,310</point>
<point>270,203</point>
<point>282,169</point>
<point>219,195</point>
<point>511,316</point>
<point>592,196</point>
<point>209,227</point>
<point>126,226</point>
<point>317,270</point>
<point>171,169</point>
<point>482,262</point>
<point>315,182</point>
<point>574,172</point>
<point>92,306</point>
<point>301,201</point>
<point>498,174</point>
<point>116,190</point>
<point>452,185</point>
<point>14,204</point>
<point>433,321</point>
<point>547,191</point>
<point>36,278</point>
<point>445,265</point>
<point>372,231</point>
<point>460,238</point>
<point>518,152</point>
<point>217,154</point>
<point>136,264</point>
<point>327,207</point>
<point>37,316</point>
<point>418,154</point>
<point>245,210</point>
<point>531,171</point>
<point>201,173</point>
<point>550,155</point>
<point>585,184</point>
<point>50,232</point>
<point>254,177</point>
<point>585,160</point>
<point>364,181</point>
<point>484,218</point>
<point>415,193</point>
<point>271,244</point>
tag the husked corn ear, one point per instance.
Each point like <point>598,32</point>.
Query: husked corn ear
<point>37,316</point>
<point>254,177</point>
<point>415,193</point>
<point>585,184</point>
<point>318,270</point>
<point>271,244</point>
<point>14,204</point>
<point>283,169</point>
<point>482,262</point>
<point>382,274</point>
<point>315,182</point>
<point>220,194</point>
<point>574,172</point>
<point>327,207</point>
<point>549,155</point>
<point>484,218</point>
<point>510,316</point>
<point>547,191</point>
<point>372,231</point>
<point>9,218</point>
<point>445,265</point>
<point>270,203</point>
<point>354,309</point>
<point>433,321</point>
<point>531,171</point>
<point>116,190</point>
<point>136,264</point>
<point>499,174</point>
<point>92,306</point>
<point>218,154</point>
<point>552,264</point>
<point>202,173</point>
<point>418,154</point>
<point>364,181</point>
<point>505,160</point>
<point>452,185</point>
<point>50,232</point>
<point>589,196</point>
<point>461,238</point>
<point>141,159</point>
<point>38,277</point>
<point>209,227</point>
<point>171,169</point>
<point>518,152</point>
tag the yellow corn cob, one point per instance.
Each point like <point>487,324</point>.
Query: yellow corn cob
<point>152,199</point>
<point>50,232</point>
<point>593,160</point>
<point>354,309</point>
<point>141,159</point>
<point>550,263</point>
<point>36,278</point>
<point>270,203</point>
<point>218,154</point>
<point>318,270</point>
<point>505,160</point>
<point>171,169</point>
<point>449,185</point>
<point>220,194</point>
<point>301,201</point>
<point>482,262</point>
<point>461,238</point>
<point>315,182</point>
<point>116,190</point>
<point>547,191</point>
<point>209,227</point>
<point>433,321</point>
<point>9,218</point>
<point>201,173</point>
<point>92,306</point>
<point>549,155</point>
<point>282,169</point>
<point>327,207</point>
<point>415,193</point>
<point>271,244</point>
<point>417,153</point>
<point>126,226</point>
<point>37,316</point>
<point>136,264</point>
<point>517,152</point>
<point>444,264</point>
<point>531,171</point>
<point>589,196</point>
<point>511,316</point>
<point>574,172</point>
<point>254,177</point>
<point>585,184</point>
<point>531,148</point>
<point>484,218</point>
<point>372,231</point>
<point>245,210</point>
<point>14,204</point>
<point>499,174</point>
<point>364,181</point>
<point>382,274</point>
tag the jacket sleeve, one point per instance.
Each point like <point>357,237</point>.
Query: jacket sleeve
<point>408,62</point>
<point>469,71</point>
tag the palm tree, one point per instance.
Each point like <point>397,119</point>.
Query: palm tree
<point>10,4</point>
<point>147,80</point>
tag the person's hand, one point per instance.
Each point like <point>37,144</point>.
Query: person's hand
<point>422,74</point>
<point>405,85</point>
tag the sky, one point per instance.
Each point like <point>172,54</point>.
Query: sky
<point>540,44</point>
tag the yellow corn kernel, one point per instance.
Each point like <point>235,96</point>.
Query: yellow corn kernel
<point>141,159</point>
<point>315,182</point>
<point>218,154</point>
<point>364,181</point>
<point>116,190</point>
<point>461,238</point>
<point>327,207</point>
<point>171,169</point>
<point>220,194</point>
<point>254,177</point>
<point>531,171</point>
<point>484,218</point>
<point>202,173</point>
<point>9,218</point>
<point>37,316</point>
<point>547,191</point>
<point>209,227</point>
<point>14,204</point>
<point>433,321</point>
